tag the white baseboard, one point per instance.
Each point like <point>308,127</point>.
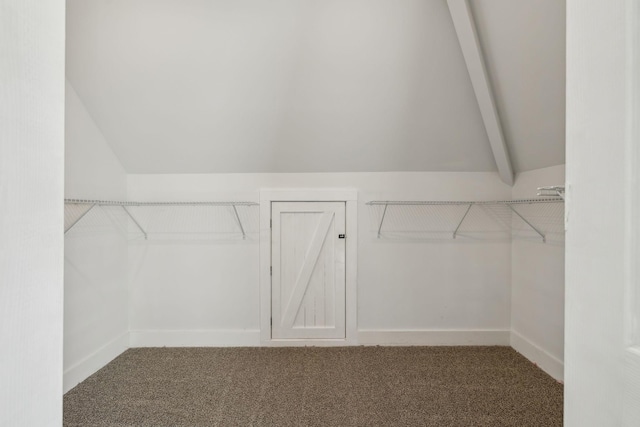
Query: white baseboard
<point>94,362</point>
<point>433,337</point>
<point>545,361</point>
<point>307,343</point>
<point>195,338</point>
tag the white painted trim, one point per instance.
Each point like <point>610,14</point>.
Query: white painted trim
<point>95,361</point>
<point>632,285</point>
<point>391,337</point>
<point>351,285</point>
<point>545,361</point>
<point>307,343</point>
<point>350,197</point>
<point>309,195</point>
<point>195,338</point>
<point>265,270</point>
<point>472,52</point>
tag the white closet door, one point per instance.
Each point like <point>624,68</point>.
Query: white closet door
<point>602,334</point>
<point>308,270</point>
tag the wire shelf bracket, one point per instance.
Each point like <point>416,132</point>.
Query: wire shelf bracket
<point>135,222</point>
<point>93,205</point>
<point>235,211</point>
<point>384,213</point>
<point>544,238</point>
<point>455,233</point>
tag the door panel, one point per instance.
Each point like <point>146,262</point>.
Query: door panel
<point>308,270</point>
<point>602,361</point>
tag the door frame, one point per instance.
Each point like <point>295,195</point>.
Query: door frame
<point>350,198</point>
<point>632,288</point>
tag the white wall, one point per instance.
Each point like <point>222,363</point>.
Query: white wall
<point>537,276</point>
<point>96,294</point>
<point>31,192</point>
<point>406,282</point>
<point>92,170</point>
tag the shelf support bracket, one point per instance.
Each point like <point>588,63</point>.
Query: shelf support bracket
<point>544,238</point>
<point>455,233</point>
<point>135,222</point>
<point>384,213</point>
<point>235,211</point>
<point>79,218</point>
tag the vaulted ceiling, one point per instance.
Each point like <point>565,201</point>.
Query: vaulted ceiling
<point>212,86</point>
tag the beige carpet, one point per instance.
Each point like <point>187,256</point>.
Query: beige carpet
<point>352,386</point>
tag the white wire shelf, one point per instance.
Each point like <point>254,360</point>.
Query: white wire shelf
<point>557,190</point>
<point>118,203</point>
<point>457,202</point>
<point>449,216</point>
<point>77,209</point>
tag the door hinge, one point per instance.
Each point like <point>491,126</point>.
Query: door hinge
<point>270,223</point>
<point>271,321</point>
<point>271,270</point>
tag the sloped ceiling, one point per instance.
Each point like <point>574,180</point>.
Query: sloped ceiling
<point>523,42</point>
<point>213,86</point>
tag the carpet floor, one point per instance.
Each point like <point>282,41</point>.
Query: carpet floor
<point>348,386</point>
